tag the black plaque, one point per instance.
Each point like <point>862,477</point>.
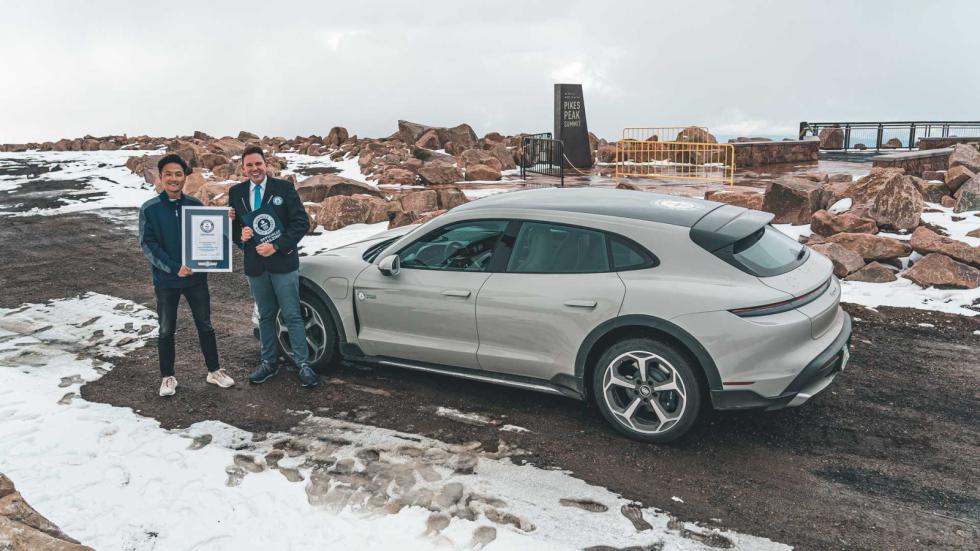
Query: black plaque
<point>570,126</point>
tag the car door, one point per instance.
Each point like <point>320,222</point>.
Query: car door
<point>556,286</point>
<point>427,312</point>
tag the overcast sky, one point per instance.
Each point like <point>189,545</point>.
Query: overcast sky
<point>297,68</point>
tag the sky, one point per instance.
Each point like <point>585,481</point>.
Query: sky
<point>285,68</point>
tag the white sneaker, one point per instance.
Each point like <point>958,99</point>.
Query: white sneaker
<point>168,387</point>
<point>220,378</point>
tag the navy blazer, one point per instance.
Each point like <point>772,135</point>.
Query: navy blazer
<point>290,212</point>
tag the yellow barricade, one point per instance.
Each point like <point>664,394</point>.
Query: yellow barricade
<point>696,134</point>
<point>710,162</point>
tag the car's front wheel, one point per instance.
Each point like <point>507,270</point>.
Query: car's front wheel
<point>321,334</point>
<point>647,390</point>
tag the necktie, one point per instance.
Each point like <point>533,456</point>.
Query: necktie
<point>257,198</point>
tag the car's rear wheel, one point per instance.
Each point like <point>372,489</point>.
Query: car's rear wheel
<point>647,390</point>
<point>321,333</point>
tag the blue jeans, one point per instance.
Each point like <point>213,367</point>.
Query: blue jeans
<point>272,293</point>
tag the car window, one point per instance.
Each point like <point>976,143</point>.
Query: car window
<point>558,249</point>
<point>466,246</point>
<point>628,256</point>
<point>769,252</point>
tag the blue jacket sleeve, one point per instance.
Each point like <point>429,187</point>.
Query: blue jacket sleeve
<point>151,246</point>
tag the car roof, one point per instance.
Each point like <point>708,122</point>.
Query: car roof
<point>639,205</point>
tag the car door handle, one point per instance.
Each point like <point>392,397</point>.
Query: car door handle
<point>456,293</point>
<point>581,303</point>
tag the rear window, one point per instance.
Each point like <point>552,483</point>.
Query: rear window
<point>769,252</point>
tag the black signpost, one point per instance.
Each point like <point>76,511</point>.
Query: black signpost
<point>570,126</point>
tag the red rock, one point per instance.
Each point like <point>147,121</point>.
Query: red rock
<point>482,173</point>
<point>429,140</point>
<point>873,273</point>
<point>449,197</point>
<point>845,260</point>
<point>827,224</point>
<point>947,202</point>
<point>934,175</point>
<point>747,199</point>
<point>502,154</point>
<point>440,173</point>
<point>968,196</point>
<point>214,194</point>
<point>473,157</point>
<point>942,271</point>
<point>957,176</point>
<point>867,188</point>
<point>337,136</point>
<point>395,175</point>
<point>194,182</point>
<point>633,187</point>
<point>872,247</point>
<point>832,138</point>
<point>419,201</point>
<point>247,136</point>
<point>317,188</point>
<point>925,241</point>
<point>966,156</point>
<point>931,191</point>
<point>898,205</point>
<point>793,200</point>
<point>893,143</point>
<point>606,154</point>
<point>695,134</point>
<point>229,147</point>
<point>343,210</point>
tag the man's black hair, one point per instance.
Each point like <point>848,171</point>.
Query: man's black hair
<point>173,158</point>
<point>252,150</point>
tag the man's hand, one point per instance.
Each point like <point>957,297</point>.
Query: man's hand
<point>265,249</point>
<point>184,271</point>
<point>231,214</point>
<point>246,233</point>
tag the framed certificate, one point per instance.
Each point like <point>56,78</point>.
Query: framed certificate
<point>205,239</point>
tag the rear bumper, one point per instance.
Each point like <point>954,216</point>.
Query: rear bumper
<point>815,377</point>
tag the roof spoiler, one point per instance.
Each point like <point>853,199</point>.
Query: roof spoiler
<point>727,224</point>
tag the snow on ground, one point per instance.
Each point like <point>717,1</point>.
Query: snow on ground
<point>116,480</point>
<point>296,163</point>
<point>902,292</point>
<point>103,181</point>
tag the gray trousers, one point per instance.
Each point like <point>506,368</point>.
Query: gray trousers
<point>272,293</point>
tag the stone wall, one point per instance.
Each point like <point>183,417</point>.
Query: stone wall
<point>938,143</point>
<point>915,162</point>
<point>749,154</point>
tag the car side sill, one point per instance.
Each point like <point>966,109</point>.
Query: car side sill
<point>536,385</point>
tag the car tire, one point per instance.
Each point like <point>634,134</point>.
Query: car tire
<point>321,334</point>
<point>659,405</point>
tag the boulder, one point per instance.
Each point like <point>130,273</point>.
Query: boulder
<point>502,154</point>
<point>406,218</point>
<point>947,202</point>
<point>317,188</point>
<point>606,153</point>
<point>898,206</point>
<point>146,166</point>
<point>873,272</point>
<point>867,188</point>
<point>634,187</point>
<point>473,157</point>
<point>893,143</point>
<point>247,136</point>
<point>337,136</point>
<point>482,173</point>
<point>932,191</point>
<point>214,194</point>
<point>440,173</point>
<point>229,147</point>
<point>394,175</point>
<point>343,210</point>
<point>968,196</point>
<point>826,224</point>
<point>845,260</point>
<point>313,213</point>
<point>860,146</point>
<point>429,140</point>
<point>420,201</point>
<point>695,134</point>
<point>462,136</point>
<point>748,199</point>
<point>966,156</point>
<point>210,160</point>
<point>832,138</point>
<point>194,182</point>
<point>449,197</point>
<point>925,241</point>
<point>942,271</point>
<point>957,176</point>
<point>934,175</point>
<point>793,200</point>
<point>872,247</point>
<point>189,151</point>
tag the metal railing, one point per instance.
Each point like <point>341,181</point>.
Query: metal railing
<point>886,135</point>
<point>710,162</point>
<point>665,133</point>
<point>542,156</point>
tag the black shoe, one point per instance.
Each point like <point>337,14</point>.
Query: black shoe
<point>308,377</point>
<point>265,372</point>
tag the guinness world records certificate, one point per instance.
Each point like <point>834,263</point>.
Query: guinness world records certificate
<point>205,239</point>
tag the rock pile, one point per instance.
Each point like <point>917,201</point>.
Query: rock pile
<point>21,527</point>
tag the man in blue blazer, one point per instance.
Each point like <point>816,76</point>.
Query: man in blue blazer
<point>272,268</point>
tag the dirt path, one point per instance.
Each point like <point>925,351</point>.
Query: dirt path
<point>887,458</point>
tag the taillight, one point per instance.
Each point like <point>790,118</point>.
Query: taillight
<point>782,306</point>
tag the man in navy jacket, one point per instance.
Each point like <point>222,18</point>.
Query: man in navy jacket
<point>273,268</point>
<point>159,236</point>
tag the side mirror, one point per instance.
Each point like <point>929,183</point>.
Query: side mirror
<point>390,265</point>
